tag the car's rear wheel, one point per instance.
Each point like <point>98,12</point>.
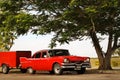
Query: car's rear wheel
<point>57,69</point>
<point>31,71</point>
<point>82,71</point>
<point>5,69</point>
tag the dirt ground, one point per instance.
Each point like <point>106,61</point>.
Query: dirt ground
<point>89,75</point>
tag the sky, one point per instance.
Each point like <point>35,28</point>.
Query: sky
<point>35,43</point>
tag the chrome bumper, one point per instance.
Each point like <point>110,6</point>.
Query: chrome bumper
<point>75,65</point>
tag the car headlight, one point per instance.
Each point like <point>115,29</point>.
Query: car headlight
<point>87,60</point>
<point>66,60</point>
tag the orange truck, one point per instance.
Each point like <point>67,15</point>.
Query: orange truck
<point>11,60</point>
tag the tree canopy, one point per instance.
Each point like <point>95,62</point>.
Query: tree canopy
<point>73,19</point>
<point>13,22</point>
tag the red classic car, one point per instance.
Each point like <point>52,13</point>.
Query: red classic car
<point>55,61</point>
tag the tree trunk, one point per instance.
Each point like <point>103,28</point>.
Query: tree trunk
<point>104,59</point>
<point>105,63</point>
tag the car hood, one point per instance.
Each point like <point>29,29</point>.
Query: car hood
<point>74,58</point>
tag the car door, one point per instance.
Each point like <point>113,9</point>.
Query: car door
<point>45,61</point>
<point>37,61</point>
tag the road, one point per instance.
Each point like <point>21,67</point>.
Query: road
<point>89,75</point>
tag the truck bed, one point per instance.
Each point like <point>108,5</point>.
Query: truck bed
<point>12,58</point>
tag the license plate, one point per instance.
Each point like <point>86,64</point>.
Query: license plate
<point>78,67</point>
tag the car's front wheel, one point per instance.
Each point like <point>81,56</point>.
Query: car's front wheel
<point>57,69</point>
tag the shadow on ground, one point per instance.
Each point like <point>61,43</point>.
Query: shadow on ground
<point>88,71</point>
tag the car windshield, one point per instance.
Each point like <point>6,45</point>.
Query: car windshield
<point>58,53</point>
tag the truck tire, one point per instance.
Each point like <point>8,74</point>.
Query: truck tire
<point>5,69</point>
<point>57,69</point>
<point>82,71</point>
<point>23,70</point>
<point>31,71</point>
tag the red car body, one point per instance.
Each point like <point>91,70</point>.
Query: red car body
<point>56,61</point>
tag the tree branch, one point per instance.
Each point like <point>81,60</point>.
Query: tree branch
<point>115,42</point>
<point>109,43</point>
<point>93,25</point>
<point>95,40</point>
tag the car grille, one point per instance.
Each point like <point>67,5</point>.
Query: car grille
<point>77,62</point>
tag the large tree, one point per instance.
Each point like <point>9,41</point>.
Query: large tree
<point>74,19</point>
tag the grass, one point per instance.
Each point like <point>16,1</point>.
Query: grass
<point>115,62</point>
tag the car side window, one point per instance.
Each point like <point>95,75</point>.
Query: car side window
<point>44,55</point>
<point>37,55</point>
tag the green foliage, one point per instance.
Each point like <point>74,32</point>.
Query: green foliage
<point>68,19</point>
<point>11,5</point>
<point>23,23</point>
<point>6,39</point>
<point>13,22</point>
<point>75,18</point>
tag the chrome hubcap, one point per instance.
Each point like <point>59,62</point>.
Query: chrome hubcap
<point>57,68</point>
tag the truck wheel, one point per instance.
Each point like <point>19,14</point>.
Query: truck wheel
<point>31,71</point>
<point>5,69</point>
<point>23,70</point>
<point>82,71</point>
<point>57,69</point>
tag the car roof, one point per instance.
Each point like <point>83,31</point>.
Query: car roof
<point>49,49</point>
